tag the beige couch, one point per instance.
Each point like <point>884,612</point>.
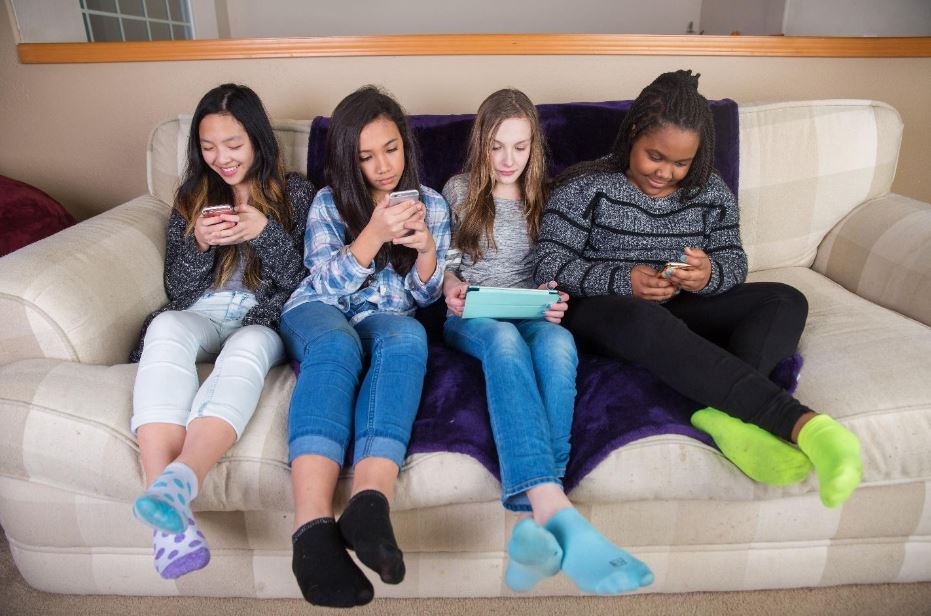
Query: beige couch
<point>816,213</point>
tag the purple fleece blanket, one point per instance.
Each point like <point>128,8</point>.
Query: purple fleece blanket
<point>617,403</point>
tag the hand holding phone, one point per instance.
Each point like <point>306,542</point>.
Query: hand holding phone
<point>401,196</point>
<point>216,210</point>
<point>209,228</point>
<point>673,265</point>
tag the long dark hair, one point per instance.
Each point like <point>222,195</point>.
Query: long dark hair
<point>202,186</point>
<point>344,175</point>
<point>672,99</point>
<point>478,212</point>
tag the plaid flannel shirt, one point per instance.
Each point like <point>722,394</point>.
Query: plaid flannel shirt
<point>337,278</point>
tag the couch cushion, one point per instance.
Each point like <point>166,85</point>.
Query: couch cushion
<point>804,166</point>
<point>83,297</point>
<point>881,252</point>
<point>64,422</point>
<point>167,151</point>
<point>863,367</point>
<point>575,132</point>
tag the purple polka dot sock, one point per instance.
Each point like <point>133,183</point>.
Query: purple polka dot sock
<point>166,505</point>
<point>177,555</point>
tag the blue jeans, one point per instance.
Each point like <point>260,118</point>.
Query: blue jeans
<point>327,398</point>
<point>530,368</point>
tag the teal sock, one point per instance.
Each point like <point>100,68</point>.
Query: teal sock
<point>835,452</point>
<point>166,505</point>
<point>591,561</point>
<point>761,456</point>
<point>533,554</point>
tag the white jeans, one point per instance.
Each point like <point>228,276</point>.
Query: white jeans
<point>167,388</point>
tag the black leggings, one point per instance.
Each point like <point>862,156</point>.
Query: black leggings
<point>717,350</point>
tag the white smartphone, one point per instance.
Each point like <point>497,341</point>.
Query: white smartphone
<point>401,196</point>
<point>672,265</point>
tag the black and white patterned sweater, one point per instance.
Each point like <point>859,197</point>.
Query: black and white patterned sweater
<point>596,228</point>
<point>189,272</point>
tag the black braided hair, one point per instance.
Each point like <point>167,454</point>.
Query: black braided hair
<point>672,99</point>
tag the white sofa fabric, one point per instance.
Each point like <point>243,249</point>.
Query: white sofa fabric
<point>817,213</point>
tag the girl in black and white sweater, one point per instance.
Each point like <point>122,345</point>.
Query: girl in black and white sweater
<point>647,240</point>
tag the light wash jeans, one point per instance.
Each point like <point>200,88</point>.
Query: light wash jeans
<point>328,403</point>
<point>167,388</point>
<point>530,368</point>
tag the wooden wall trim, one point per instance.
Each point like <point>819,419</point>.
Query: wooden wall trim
<point>477,44</point>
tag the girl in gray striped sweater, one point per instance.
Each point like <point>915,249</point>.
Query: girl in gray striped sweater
<point>529,364</point>
<point>647,241</point>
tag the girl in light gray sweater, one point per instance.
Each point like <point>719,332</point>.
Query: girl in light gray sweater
<point>530,364</point>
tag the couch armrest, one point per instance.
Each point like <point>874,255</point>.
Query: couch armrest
<point>882,251</point>
<point>82,294</point>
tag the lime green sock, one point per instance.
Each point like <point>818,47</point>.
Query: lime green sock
<point>835,452</point>
<point>761,456</point>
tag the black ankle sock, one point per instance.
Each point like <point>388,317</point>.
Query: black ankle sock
<point>324,571</point>
<point>366,528</point>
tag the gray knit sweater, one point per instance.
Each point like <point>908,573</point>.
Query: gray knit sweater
<point>509,262</point>
<point>189,272</point>
<point>596,228</point>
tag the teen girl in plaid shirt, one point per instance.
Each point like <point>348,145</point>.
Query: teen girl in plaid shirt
<point>362,354</point>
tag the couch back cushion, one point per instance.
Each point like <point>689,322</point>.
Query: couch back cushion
<point>167,153</point>
<point>575,132</point>
<point>804,166</point>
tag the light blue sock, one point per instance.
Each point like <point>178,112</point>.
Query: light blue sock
<point>591,561</point>
<point>533,554</point>
<point>166,505</point>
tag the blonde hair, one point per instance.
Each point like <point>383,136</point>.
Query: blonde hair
<point>477,216</point>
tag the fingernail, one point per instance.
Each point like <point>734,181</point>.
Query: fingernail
<point>682,258</point>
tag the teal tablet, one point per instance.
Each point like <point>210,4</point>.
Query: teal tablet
<point>503,303</point>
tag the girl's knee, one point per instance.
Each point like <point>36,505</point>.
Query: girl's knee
<point>167,324</point>
<point>556,342</point>
<point>792,303</point>
<point>562,348</point>
<point>340,341</point>
<point>255,336</point>
<point>406,336</point>
<point>505,337</point>
<point>795,299</point>
<point>254,341</point>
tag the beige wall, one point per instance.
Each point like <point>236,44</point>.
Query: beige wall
<point>79,131</point>
<point>856,18</point>
<point>324,17</point>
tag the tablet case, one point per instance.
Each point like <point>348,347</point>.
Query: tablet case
<point>504,303</point>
